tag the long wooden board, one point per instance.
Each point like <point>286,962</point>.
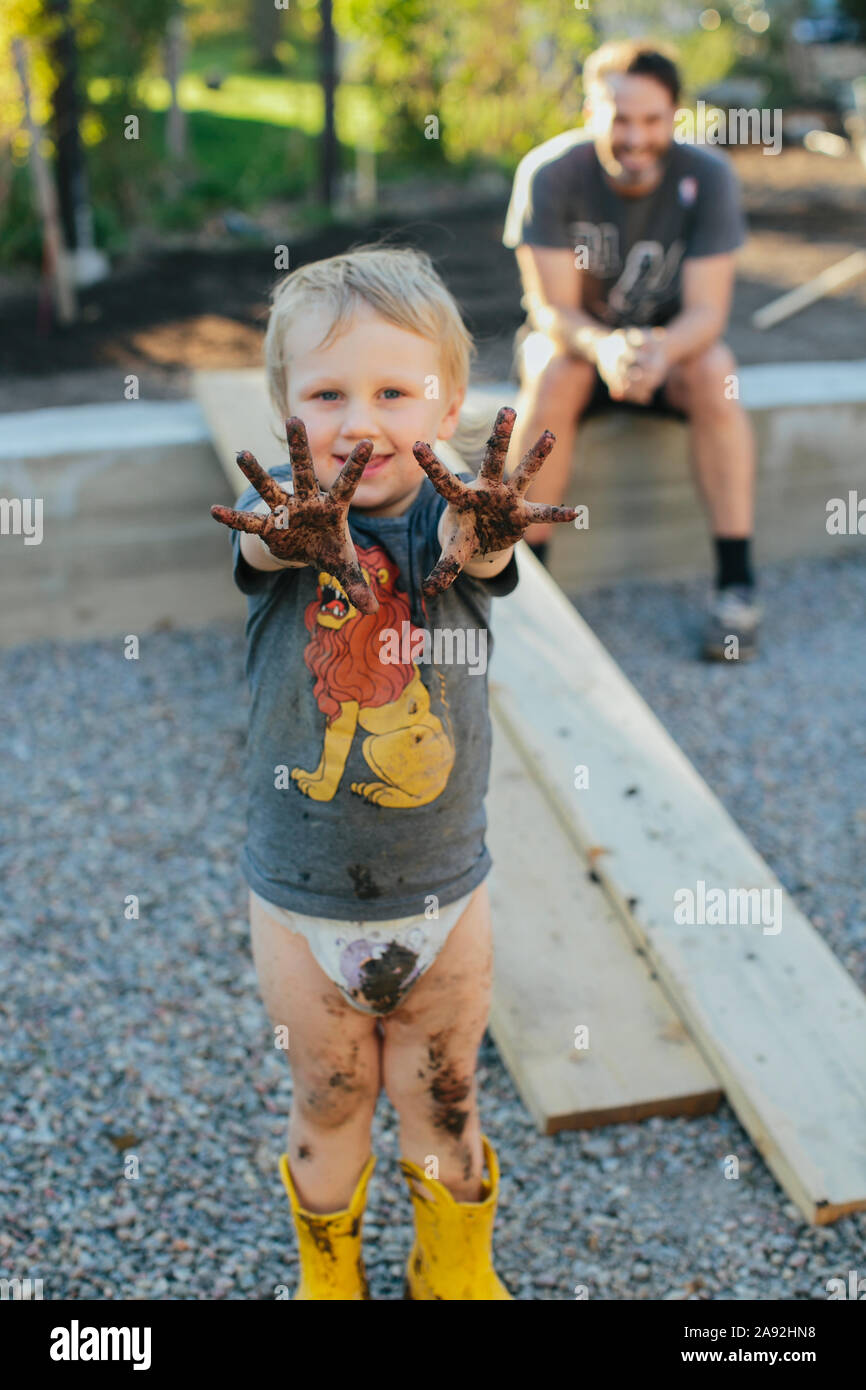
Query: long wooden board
<point>239,413</point>
<point>564,962</point>
<point>778,1019</point>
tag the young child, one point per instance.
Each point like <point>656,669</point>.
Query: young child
<point>368,764</point>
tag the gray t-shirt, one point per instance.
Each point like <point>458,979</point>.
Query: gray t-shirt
<point>389,746</point>
<point>631,249</point>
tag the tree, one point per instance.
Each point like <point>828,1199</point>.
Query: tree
<point>499,75</point>
<point>265,26</point>
<point>328,71</point>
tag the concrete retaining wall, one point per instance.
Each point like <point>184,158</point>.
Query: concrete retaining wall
<point>129,542</point>
<point>645,515</point>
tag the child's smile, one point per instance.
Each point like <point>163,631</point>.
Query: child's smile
<point>374,381</point>
<point>375,463</point>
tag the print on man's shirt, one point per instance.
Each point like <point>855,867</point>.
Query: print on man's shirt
<point>646,278</point>
<point>600,241</point>
<point>643,283</point>
<point>407,747</point>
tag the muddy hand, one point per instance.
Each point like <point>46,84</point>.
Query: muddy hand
<point>308,525</point>
<point>490,513</point>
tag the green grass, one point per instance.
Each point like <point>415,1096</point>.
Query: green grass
<point>292,98</point>
<point>231,162</point>
<point>243,162</point>
<point>230,54</point>
<point>263,99</point>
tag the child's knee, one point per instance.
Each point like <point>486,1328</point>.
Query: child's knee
<point>335,1091</point>
<point>435,1081</point>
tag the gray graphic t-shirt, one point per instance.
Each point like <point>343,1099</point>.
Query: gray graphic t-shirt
<point>367,762</point>
<point>630,249</point>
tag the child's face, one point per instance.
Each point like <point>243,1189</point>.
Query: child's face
<point>369,383</point>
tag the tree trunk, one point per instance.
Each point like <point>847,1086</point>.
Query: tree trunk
<point>265,24</point>
<point>55,258</point>
<point>328,71</point>
<point>69,163</point>
<point>174,50</point>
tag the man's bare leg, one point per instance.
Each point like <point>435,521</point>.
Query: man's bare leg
<point>722,442</point>
<point>555,390</point>
<point>723,459</point>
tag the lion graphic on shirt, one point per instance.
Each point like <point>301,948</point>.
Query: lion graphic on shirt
<point>408,750</point>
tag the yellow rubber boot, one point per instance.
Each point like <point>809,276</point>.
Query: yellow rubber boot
<point>451,1256</point>
<point>329,1244</point>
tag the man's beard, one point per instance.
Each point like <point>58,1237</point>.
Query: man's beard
<point>647,173</point>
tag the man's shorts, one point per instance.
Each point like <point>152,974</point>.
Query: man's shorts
<point>374,964</point>
<point>600,400</point>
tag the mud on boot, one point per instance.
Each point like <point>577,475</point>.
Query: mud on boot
<point>329,1244</point>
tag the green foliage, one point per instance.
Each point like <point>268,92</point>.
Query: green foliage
<point>706,57</point>
<point>119,40</point>
<point>499,75</point>
<point>114,42</point>
<point>20,232</point>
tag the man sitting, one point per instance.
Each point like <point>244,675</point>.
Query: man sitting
<point>625,243</point>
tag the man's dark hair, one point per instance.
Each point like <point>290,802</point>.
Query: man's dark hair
<point>632,56</point>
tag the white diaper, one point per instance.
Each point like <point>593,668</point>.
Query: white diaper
<point>373,964</point>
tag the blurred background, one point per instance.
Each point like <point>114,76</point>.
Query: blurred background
<point>185,140</point>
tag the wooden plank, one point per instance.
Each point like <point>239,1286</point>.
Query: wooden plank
<point>239,413</point>
<point>563,960</point>
<point>778,1019</point>
<point>835,277</point>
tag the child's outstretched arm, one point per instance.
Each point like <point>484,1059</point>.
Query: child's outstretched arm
<point>307,526</point>
<point>485,519</point>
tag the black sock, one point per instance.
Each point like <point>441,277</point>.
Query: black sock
<point>733,562</point>
<point>539,550</point>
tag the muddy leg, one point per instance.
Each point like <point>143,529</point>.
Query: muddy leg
<point>430,1053</point>
<point>335,1057</point>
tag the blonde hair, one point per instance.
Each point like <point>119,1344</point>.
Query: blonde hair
<point>400,284</point>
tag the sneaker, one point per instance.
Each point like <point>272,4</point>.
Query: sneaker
<point>732,624</point>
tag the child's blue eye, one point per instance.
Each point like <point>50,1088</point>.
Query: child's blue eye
<point>328,393</point>
<point>392,391</point>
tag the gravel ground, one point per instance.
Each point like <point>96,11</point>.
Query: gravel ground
<point>146,1039</point>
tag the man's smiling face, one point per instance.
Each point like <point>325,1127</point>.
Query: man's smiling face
<point>370,382</point>
<point>631,117</point>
